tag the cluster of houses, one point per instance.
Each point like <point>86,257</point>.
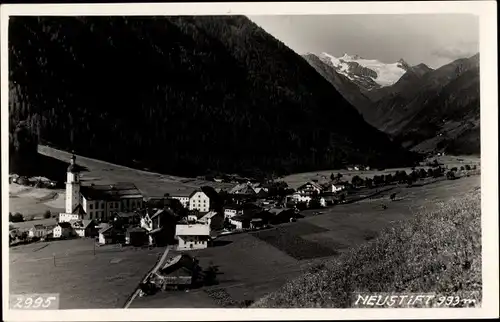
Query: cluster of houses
<point>119,213</point>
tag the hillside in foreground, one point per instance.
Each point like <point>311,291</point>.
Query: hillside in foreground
<point>437,251</point>
<point>183,95</point>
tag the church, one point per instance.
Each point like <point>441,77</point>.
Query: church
<point>97,202</point>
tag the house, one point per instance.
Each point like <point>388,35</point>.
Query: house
<point>232,210</point>
<point>136,236</point>
<point>281,215</point>
<point>192,236</point>
<point>178,272</point>
<point>240,222</point>
<point>183,197</point>
<point>213,219</point>
<point>198,200</point>
<point>160,226</point>
<point>100,202</point>
<point>84,228</point>
<point>63,230</point>
<point>39,231</point>
<point>333,187</point>
<point>106,235</point>
<point>310,188</point>
<point>127,218</point>
<point>244,189</point>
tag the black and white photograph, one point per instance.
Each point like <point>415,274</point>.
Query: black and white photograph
<point>228,159</point>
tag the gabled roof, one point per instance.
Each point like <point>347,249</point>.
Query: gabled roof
<point>87,222</point>
<point>111,192</point>
<point>64,225</point>
<point>79,210</point>
<point>312,183</point>
<point>105,229</point>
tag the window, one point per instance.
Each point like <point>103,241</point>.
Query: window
<point>102,205</point>
<point>91,206</point>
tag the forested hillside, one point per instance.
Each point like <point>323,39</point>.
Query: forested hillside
<point>182,95</point>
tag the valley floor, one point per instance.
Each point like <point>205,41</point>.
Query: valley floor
<point>251,265</point>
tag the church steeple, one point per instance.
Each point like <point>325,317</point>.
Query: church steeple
<point>72,166</point>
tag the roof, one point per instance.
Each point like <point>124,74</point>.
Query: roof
<point>127,214</point>
<point>233,206</point>
<point>116,191</point>
<point>136,230</point>
<point>86,222</point>
<point>38,226</point>
<point>79,210</point>
<point>64,224</point>
<point>105,229</point>
<point>208,216</point>
<point>277,211</point>
<point>312,183</point>
<point>244,189</point>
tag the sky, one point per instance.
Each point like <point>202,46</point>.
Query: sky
<point>433,39</point>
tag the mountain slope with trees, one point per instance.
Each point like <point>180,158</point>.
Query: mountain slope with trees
<point>182,95</point>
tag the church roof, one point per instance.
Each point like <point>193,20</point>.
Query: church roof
<point>79,210</point>
<point>117,191</point>
<point>73,168</point>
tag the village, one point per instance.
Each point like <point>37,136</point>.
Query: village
<point>120,214</point>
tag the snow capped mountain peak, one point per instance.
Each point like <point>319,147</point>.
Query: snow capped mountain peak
<point>367,73</point>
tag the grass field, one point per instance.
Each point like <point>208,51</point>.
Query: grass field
<point>151,184</point>
<point>84,281</point>
<point>438,251</point>
<point>256,264</point>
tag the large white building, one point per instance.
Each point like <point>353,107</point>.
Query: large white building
<point>97,202</point>
<point>192,236</point>
<point>102,201</point>
<point>194,200</point>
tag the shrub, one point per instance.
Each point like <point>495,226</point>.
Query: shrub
<point>17,217</point>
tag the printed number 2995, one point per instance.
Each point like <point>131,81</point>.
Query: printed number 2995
<point>34,302</point>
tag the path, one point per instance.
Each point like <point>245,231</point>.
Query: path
<point>155,268</point>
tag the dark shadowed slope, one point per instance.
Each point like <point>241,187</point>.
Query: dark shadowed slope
<point>182,95</point>
<point>348,89</point>
<point>397,109</point>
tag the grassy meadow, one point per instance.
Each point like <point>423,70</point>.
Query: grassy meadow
<point>438,250</point>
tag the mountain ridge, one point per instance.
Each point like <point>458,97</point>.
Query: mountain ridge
<point>221,94</point>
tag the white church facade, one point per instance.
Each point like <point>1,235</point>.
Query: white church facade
<point>97,202</point>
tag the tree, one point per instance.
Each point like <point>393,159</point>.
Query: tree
<point>210,275</point>
<point>369,183</point>
<point>47,214</point>
<point>430,173</point>
<point>422,173</point>
<point>332,177</point>
<point>357,181</point>
<point>339,175</point>
<point>17,217</point>
<point>450,175</point>
<point>467,167</point>
<point>474,167</point>
<point>393,196</point>
<point>462,168</point>
<point>388,179</point>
